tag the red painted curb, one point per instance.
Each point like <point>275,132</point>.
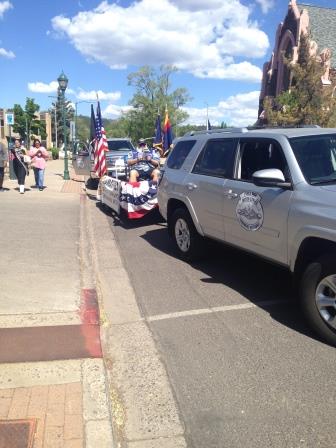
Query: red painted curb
<point>89,308</point>
<point>90,327</point>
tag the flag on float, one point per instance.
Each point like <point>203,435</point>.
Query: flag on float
<point>100,145</point>
<point>92,127</point>
<point>158,132</point>
<point>92,138</point>
<point>167,133</point>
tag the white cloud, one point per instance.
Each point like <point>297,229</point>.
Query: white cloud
<point>201,37</point>
<point>41,87</point>
<point>237,110</point>
<point>114,111</point>
<point>265,5</point>
<point>103,96</point>
<point>7,53</point>
<point>197,5</point>
<point>242,72</point>
<point>4,6</point>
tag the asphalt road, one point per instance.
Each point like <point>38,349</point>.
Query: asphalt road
<point>245,369</point>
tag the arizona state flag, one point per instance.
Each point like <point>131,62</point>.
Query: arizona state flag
<point>167,133</point>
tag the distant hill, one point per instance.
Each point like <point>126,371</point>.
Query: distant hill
<point>83,127</point>
<point>113,128</point>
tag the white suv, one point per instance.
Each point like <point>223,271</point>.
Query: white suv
<point>271,192</point>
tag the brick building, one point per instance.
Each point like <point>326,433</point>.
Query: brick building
<point>6,132</point>
<point>316,22</point>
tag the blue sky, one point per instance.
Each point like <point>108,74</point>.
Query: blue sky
<point>219,47</point>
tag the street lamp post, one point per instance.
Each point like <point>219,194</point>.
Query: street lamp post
<point>63,83</point>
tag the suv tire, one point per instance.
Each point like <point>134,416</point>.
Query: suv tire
<point>188,242</point>
<point>313,289</point>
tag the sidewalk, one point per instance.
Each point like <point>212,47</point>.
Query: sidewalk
<point>53,386</point>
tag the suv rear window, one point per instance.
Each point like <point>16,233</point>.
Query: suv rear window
<point>216,158</point>
<point>179,154</point>
<point>119,145</point>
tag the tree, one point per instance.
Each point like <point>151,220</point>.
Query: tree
<point>27,122</point>
<point>69,116</point>
<point>307,101</point>
<point>152,94</point>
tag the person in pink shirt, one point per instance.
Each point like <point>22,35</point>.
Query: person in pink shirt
<point>39,155</point>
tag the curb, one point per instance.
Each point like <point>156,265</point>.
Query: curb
<point>96,407</point>
<point>144,411</point>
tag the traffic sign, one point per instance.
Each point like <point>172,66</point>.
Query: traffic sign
<point>9,119</point>
<point>72,131</point>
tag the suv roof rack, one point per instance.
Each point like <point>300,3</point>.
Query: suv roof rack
<point>251,128</point>
<point>217,131</point>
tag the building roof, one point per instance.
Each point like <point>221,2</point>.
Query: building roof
<point>322,27</point>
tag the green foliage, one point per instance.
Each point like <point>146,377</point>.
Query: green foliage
<point>26,121</point>
<point>54,153</point>
<point>307,101</point>
<point>57,106</point>
<point>153,93</point>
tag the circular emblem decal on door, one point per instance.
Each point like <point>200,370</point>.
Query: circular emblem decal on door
<point>249,211</point>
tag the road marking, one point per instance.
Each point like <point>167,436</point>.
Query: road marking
<point>216,309</point>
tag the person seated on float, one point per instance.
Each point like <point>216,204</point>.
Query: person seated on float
<point>144,163</point>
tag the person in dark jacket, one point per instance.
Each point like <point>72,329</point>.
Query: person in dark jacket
<point>20,164</point>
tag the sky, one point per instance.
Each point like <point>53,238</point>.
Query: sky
<point>218,46</point>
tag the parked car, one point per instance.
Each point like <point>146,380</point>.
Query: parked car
<point>116,157</point>
<point>271,192</point>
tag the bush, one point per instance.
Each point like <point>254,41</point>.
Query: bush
<point>54,153</point>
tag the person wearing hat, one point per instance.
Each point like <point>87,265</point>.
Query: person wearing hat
<point>144,163</point>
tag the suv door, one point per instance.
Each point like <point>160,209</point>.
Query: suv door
<point>204,185</point>
<point>255,218</point>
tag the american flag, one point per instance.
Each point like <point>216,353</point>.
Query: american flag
<point>100,145</point>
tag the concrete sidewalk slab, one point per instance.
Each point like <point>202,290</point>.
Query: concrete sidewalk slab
<point>47,313</point>
<point>145,412</point>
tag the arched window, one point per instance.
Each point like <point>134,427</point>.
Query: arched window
<point>285,49</point>
<point>286,70</point>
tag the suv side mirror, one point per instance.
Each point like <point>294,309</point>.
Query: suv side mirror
<point>271,177</point>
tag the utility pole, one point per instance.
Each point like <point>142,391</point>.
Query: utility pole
<point>55,115</point>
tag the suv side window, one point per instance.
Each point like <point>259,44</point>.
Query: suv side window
<point>179,154</point>
<point>258,155</point>
<point>216,158</point>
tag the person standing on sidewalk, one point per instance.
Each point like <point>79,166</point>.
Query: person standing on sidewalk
<point>3,163</point>
<point>20,163</point>
<point>39,156</point>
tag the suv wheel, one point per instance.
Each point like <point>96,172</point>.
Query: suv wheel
<point>318,296</point>
<point>188,241</point>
